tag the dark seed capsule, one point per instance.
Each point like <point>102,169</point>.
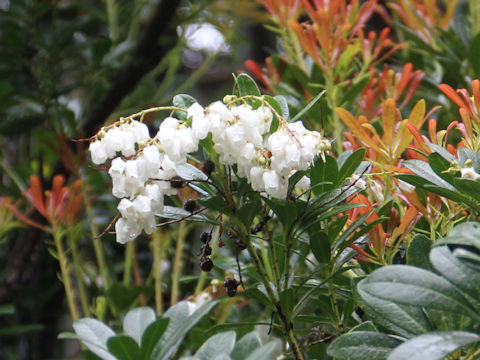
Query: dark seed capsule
<point>240,244</point>
<point>176,182</point>
<point>231,285</point>
<point>207,249</point>
<point>206,264</point>
<point>208,167</point>
<point>205,237</point>
<point>190,205</point>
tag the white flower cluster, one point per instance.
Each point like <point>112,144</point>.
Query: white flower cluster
<point>140,177</point>
<point>240,135</point>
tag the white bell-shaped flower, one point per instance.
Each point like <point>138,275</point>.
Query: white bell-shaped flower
<point>126,231</point>
<point>98,152</point>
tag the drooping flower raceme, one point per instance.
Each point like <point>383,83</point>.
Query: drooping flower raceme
<point>142,165</point>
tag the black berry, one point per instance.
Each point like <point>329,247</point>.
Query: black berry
<point>230,285</point>
<point>208,167</point>
<point>206,264</point>
<point>176,182</point>
<point>190,205</point>
<point>205,237</point>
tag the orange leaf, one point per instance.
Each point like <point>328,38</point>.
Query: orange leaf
<point>447,90</point>
<point>357,130</point>
<point>35,194</point>
<point>388,120</point>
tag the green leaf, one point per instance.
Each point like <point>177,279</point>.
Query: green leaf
<point>362,345</point>
<point>263,352</point>
<point>94,335</point>
<point>180,323</point>
<point>433,346</point>
<point>136,321</point>
<point>351,164</point>
<point>174,213</point>
<point>466,234</point>
<point>245,346</point>
<point>124,348</point>
<point>246,85</point>
<point>365,326</point>
<point>257,295</point>
<point>287,301</point>
<point>404,320</point>
<point>418,250</point>
<point>217,203</point>
<point>284,209</point>
<point>320,246</point>
<point>282,102</point>
<point>409,285</point>
<point>152,335</point>
<point>474,54</point>
<point>308,106</point>
<point>324,172</point>
<point>454,270</point>
<point>249,210</point>
<point>442,152</point>
<point>221,343</point>
<point>423,169</point>
<point>182,101</point>
<point>440,165</point>
<point>21,329</point>
<point>470,188</point>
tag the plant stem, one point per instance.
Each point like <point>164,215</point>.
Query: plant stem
<point>72,242</point>
<point>127,264</point>
<point>138,276</point>
<point>112,20</point>
<point>285,323</point>
<point>333,298</point>
<point>177,264</point>
<point>63,261</point>
<point>157,274</point>
<point>276,272</point>
<point>97,246</point>
<point>288,250</point>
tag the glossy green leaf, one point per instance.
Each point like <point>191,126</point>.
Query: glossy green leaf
<point>362,345</point>
<point>174,213</point>
<point>152,335</point>
<point>418,252</point>
<point>433,346</point>
<point>423,169</point>
<point>440,166</point>
<point>324,172</point>
<point>246,85</point>
<point>221,343</point>
<point>442,152</point>
<point>124,348</point>
<point>257,295</point>
<point>136,321</point>
<point>350,164</point>
<point>320,246</point>
<point>282,102</point>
